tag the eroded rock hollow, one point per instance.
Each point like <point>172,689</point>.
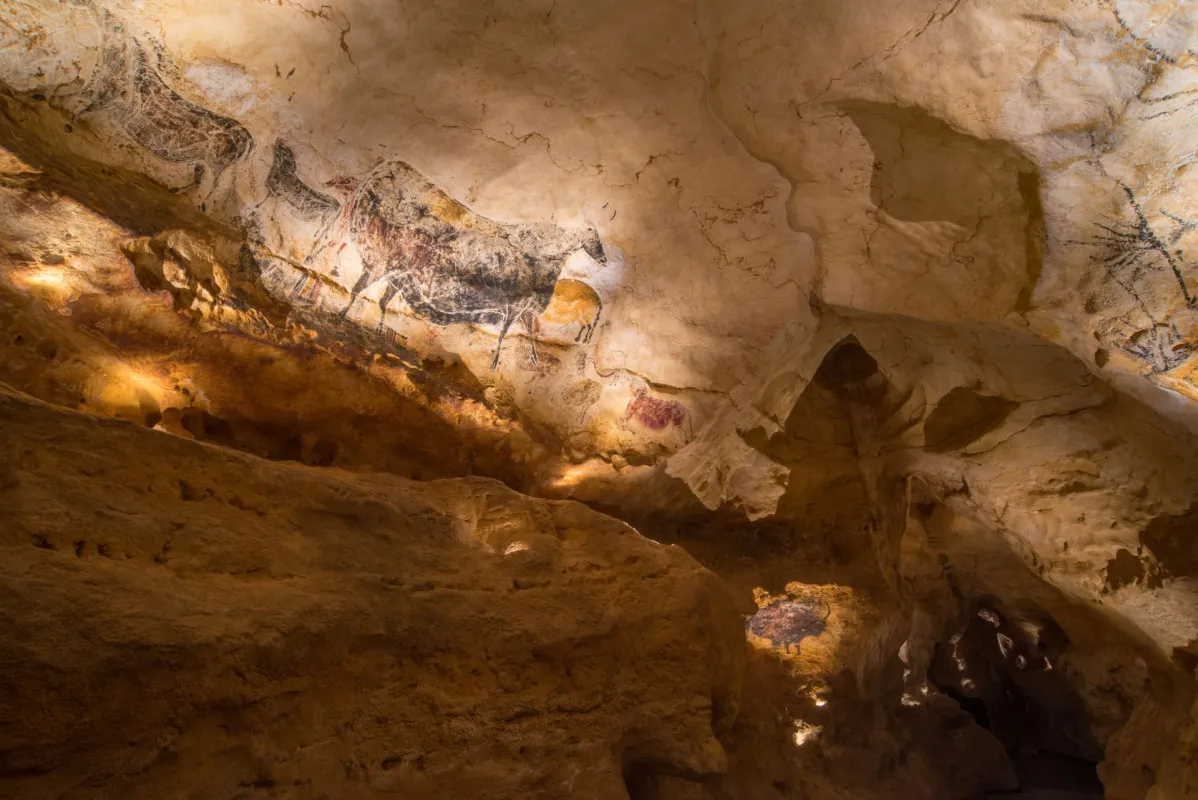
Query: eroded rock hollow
<point>672,400</point>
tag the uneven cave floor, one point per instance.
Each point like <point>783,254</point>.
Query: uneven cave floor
<point>828,706</point>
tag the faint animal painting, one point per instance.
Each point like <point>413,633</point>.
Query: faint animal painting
<point>1161,346</point>
<point>310,205</point>
<point>574,302</point>
<point>447,263</point>
<point>157,117</point>
<point>1132,251</point>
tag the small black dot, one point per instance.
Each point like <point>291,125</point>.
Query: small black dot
<point>38,96</point>
<point>68,128</point>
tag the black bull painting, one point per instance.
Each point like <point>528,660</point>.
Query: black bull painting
<point>128,84</point>
<point>447,263</point>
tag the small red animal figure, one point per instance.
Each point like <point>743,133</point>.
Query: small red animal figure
<point>653,413</point>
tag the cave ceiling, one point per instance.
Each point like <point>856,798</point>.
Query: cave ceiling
<point>887,312</point>
<point>644,255</point>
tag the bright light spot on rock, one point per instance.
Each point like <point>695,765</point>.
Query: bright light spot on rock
<point>989,616</point>
<point>50,281</point>
<point>1005,644</point>
<point>516,547</point>
<point>570,477</point>
<point>47,277</point>
<point>967,684</point>
<point>805,732</point>
<point>820,702</point>
<point>910,700</point>
<point>957,658</point>
<point>141,380</point>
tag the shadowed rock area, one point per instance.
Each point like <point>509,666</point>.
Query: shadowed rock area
<point>179,615</point>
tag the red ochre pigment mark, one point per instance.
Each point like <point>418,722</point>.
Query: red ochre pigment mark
<point>653,413</point>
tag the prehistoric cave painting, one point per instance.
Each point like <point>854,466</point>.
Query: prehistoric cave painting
<point>1131,251</point>
<point>574,302</point>
<point>306,289</point>
<point>447,263</point>
<point>1161,346</point>
<point>307,203</point>
<point>581,396</point>
<point>653,413</point>
<point>786,623</point>
<point>157,117</point>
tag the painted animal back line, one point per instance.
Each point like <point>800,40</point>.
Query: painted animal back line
<point>284,182</point>
<point>448,263</point>
<point>157,117</point>
<point>469,271</point>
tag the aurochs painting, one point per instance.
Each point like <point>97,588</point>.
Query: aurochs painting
<point>445,262</point>
<point>392,232</point>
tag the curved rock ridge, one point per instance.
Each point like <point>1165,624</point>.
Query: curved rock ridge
<point>315,633</point>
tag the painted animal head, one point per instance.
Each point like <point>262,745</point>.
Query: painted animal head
<point>594,246</point>
<point>241,141</point>
<point>284,156</point>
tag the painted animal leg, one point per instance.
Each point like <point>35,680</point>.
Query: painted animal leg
<point>388,293</point>
<point>363,281</point>
<point>591,328</point>
<point>197,175</point>
<point>507,323</point>
<point>318,244</point>
<point>216,176</point>
<point>530,325</point>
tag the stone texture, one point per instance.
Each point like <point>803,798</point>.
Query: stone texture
<point>177,615</point>
<point>908,285</point>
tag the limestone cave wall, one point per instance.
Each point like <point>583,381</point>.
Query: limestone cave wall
<point>658,400</point>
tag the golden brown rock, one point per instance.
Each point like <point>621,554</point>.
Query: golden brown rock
<point>177,615</point>
<point>909,285</point>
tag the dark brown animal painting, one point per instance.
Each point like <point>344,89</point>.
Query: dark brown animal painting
<point>307,203</point>
<point>157,117</point>
<point>448,263</point>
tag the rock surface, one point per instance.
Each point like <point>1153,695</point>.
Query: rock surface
<point>663,238</point>
<point>179,617</point>
<point>896,300</point>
